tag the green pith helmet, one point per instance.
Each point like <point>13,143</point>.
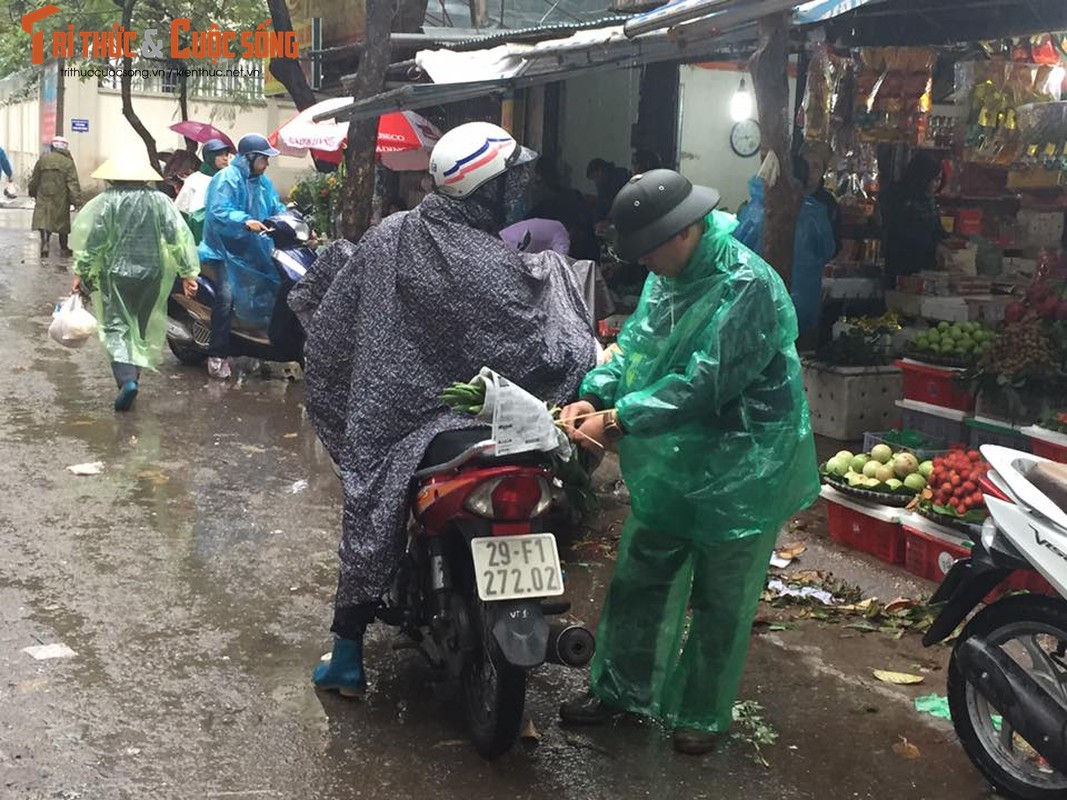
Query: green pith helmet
<point>654,206</point>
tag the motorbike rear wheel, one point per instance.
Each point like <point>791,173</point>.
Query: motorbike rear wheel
<point>1025,627</point>
<point>494,693</point>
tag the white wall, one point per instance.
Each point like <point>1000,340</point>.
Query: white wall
<point>597,112</point>
<point>705,156</point>
<point>110,134</point>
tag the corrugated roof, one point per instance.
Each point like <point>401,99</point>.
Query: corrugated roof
<point>535,33</point>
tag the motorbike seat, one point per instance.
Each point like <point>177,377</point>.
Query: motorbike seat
<point>450,444</point>
<point>1051,479</point>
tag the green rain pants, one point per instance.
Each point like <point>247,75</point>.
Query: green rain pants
<point>642,664</point>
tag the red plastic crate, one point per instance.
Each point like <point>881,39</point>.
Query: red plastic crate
<point>936,386</point>
<point>869,528</point>
<point>930,550</point>
<point>1047,444</point>
<point>1025,581</point>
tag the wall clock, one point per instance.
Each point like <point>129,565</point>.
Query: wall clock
<point>745,138</point>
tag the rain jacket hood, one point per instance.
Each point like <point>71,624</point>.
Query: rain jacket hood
<point>130,243</point>
<point>426,298</point>
<point>234,196</point>
<point>709,390</point>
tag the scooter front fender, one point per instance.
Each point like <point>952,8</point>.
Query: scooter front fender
<point>962,589</point>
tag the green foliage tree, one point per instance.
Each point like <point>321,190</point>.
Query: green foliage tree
<point>134,15</point>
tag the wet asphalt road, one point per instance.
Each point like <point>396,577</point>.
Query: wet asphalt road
<point>193,578</point>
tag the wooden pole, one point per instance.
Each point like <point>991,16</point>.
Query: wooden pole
<point>769,66</point>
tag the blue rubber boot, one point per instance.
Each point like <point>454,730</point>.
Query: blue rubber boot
<point>124,399</point>
<point>343,673</point>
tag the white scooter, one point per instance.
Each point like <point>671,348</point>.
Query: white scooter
<point>1007,678</point>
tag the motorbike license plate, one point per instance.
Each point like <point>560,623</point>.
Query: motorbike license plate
<point>514,567</point>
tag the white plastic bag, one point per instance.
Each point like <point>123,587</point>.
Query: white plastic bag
<point>71,324</point>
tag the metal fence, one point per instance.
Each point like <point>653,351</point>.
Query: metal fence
<point>223,81</point>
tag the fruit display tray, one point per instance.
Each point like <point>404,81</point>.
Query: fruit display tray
<point>937,359</point>
<point>882,498</point>
<point>970,528</point>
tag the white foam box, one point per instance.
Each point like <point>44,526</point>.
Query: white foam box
<point>904,303</point>
<point>847,401</point>
<point>947,309</point>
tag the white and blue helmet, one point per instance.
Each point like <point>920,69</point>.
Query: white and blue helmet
<point>471,155</point>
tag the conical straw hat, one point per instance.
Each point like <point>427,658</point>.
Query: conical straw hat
<point>126,168</point>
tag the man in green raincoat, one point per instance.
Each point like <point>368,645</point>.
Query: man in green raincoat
<point>130,244</point>
<point>54,186</point>
<point>706,406</point>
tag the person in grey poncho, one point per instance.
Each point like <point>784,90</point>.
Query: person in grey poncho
<point>426,298</point>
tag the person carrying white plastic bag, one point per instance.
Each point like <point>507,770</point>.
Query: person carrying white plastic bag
<point>71,324</point>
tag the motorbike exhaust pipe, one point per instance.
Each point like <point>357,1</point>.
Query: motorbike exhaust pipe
<point>569,645</point>
<point>1033,712</point>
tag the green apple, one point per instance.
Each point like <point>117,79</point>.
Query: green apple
<point>884,473</point>
<point>904,464</point>
<point>837,466</point>
<point>870,469</point>
<point>926,468</point>
<point>916,482</point>
<point>882,453</point>
<point>858,461</point>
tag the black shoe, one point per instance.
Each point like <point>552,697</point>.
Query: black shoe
<point>44,252</point>
<point>66,252</point>
<point>694,742</point>
<point>586,709</point>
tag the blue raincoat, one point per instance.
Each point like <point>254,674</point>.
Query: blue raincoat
<point>813,245</point>
<point>234,196</point>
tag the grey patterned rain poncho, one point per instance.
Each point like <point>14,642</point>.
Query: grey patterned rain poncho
<point>426,298</point>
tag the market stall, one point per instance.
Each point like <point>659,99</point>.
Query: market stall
<point>951,173</point>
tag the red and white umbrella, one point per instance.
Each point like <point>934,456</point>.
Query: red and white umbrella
<point>405,139</point>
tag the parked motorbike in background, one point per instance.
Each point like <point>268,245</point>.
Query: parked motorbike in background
<point>281,338</point>
<point>1007,677</point>
<point>480,576</point>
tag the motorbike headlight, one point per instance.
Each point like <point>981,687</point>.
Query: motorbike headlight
<point>989,533</point>
<point>301,231</point>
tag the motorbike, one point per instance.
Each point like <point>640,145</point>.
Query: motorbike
<point>1007,676</point>
<point>281,338</point>
<point>480,578</point>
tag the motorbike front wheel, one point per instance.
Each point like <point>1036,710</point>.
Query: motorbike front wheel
<point>187,354</point>
<point>494,693</point>
<point>1032,630</point>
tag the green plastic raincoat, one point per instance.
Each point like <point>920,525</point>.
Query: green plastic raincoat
<point>130,243</point>
<point>718,453</point>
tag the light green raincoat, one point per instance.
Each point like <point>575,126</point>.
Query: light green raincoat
<point>718,453</point>
<point>130,243</point>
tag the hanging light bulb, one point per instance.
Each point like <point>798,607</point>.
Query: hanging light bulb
<point>741,104</point>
